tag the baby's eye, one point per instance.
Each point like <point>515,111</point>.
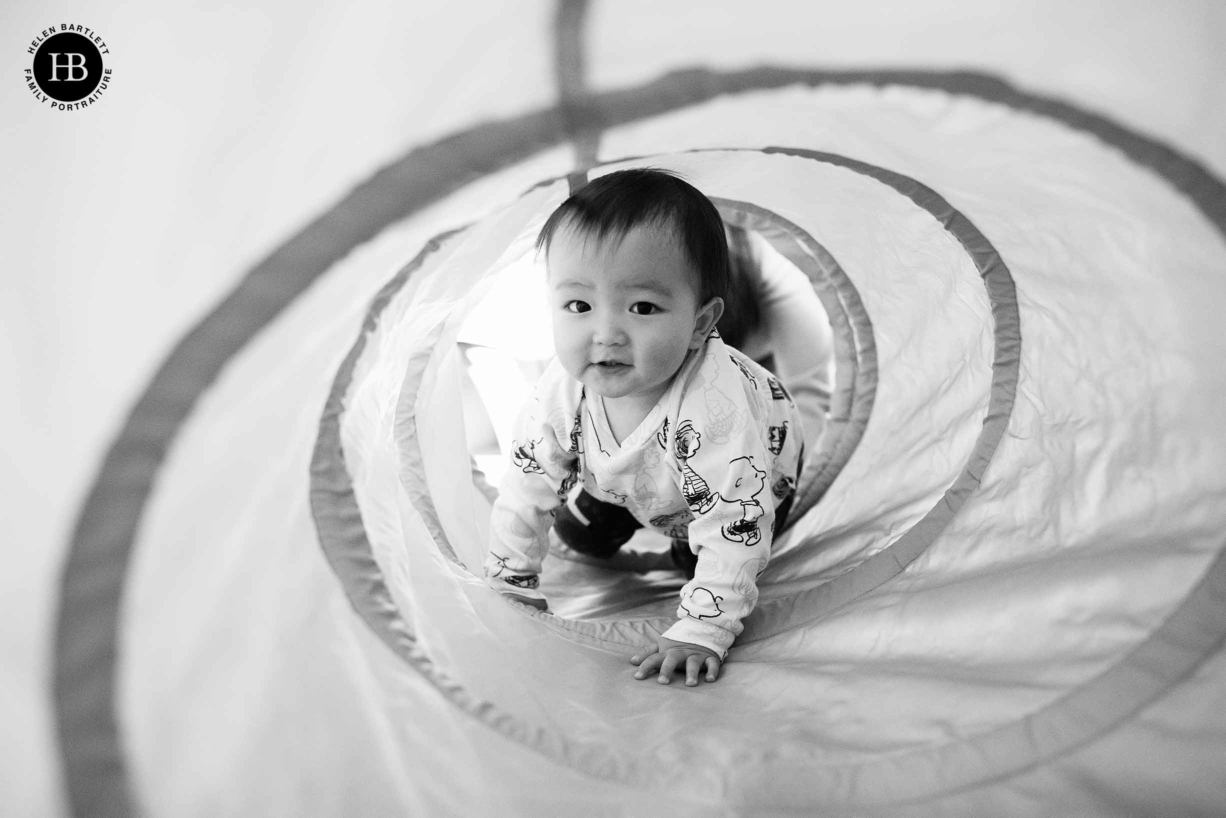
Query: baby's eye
<point>644,308</point>
<point>576,306</point>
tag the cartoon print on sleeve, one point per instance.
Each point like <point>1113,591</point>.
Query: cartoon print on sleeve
<point>568,428</point>
<point>676,525</point>
<point>777,390</point>
<point>517,580</point>
<point>502,565</point>
<point>645,492</point>
<point>746,582</point>
<point>745,491</point>
<point>709,562</point>
<point>700,602</point>
<point>612,496</point>
<point>576,435</point>
<point>778,434</point>
<point>524,456</point>
<point>723,418</point>
<point>694,489</point>
<point>569,481</point>
<point>745,371</point>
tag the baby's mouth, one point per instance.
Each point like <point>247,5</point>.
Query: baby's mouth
<point>611,364</point>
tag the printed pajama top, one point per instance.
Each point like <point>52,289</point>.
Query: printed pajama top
<point>709,464</point>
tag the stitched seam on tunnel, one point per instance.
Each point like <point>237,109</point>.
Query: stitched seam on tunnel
<point>574,97</point>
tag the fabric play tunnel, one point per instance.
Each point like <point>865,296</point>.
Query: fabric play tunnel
<point>1002,590</point>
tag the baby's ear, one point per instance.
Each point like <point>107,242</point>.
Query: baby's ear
<point>708,317</point>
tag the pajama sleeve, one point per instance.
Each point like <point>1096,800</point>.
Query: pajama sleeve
<point>544,466</point>
<point>724,474</point>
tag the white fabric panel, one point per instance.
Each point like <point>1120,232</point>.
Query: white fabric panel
<point>270,660</point>
<point>1108,57</point>
<point>225,131</point>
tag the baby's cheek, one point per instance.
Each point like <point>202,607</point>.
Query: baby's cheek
<point>572,363</point>
<point>570,355</point>
<point>660,364</point>
<point>668,353</point>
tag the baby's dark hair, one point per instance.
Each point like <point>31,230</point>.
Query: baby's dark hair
<point>614,204</point>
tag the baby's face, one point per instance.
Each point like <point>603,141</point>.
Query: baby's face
<point>625,313</point>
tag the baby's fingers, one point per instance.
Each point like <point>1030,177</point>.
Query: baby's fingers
<point>637,659</point>
<point>649,665</point>
<point>671,659</point>
<point>693,664</point>
<point>713,665</point>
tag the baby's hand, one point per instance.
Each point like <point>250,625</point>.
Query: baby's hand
<point>669,655</point>
<point>539,604</point>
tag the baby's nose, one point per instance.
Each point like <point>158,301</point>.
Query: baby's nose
<point>609,331</point>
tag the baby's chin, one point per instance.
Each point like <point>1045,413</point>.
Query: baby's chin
<point>639,394</point>
<point>609,387</point>
<point>601,386</point>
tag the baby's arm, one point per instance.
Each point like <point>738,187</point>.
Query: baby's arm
<point>723,591</point>
<point>724,468</point>
<point>732,529</point>
<point>542,469</point>
<point>519,525</point>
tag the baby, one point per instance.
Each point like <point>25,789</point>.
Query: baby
<point>646,408</point>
